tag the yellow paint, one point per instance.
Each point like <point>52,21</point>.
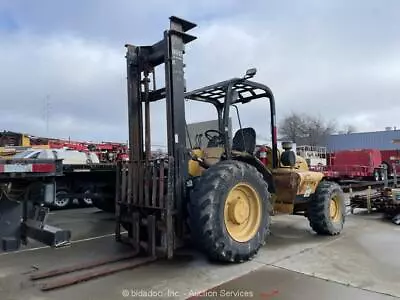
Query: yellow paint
<point>283,208</point>
<point>26,142</point>
<point>194,167</point>
<point>40,147</point>
<point>334,209</point>
<point>290,182</point>
<point>242,212</point>
<point>301,164</point>
<point>309,181</point>
<point>212,155</point>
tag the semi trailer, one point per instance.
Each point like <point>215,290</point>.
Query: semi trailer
<point>85,179</point>
<point>26,186</point>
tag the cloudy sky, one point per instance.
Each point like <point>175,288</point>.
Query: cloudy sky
<point>65,59</point>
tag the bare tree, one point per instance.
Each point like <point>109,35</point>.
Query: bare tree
<point>350,128</point>
<point>318,130</point>
<point>306,130</point>
<point>293,127</point>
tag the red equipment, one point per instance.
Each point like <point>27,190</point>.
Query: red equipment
<point>110,152</point>
<point>362,163</point>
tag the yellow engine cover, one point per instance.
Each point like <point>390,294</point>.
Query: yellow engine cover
<point>194,167</point>
<point>301,163</point>
<point>291,184</point>
<point>210,155</point>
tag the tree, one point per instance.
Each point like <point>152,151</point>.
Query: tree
<point>318,130</point>
<point>306,129</point>
<point>350,128</point>
<point>293,127</point>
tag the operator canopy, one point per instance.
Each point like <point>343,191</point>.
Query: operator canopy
<point>243,91</point>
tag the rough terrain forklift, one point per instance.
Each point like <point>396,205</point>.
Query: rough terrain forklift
<point>221,196</point>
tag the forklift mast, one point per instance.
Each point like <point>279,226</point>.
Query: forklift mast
<point>143,200</point>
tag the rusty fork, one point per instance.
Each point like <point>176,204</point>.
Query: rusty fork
<point>130,261</point>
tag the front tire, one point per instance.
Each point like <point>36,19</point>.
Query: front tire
<point>326,211</point>
<point>229,212</point>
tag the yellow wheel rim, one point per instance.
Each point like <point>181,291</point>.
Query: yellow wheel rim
<point>334,208</point>
<point>242,212</point>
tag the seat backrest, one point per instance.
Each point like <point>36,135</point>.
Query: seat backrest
<point>244,140</point>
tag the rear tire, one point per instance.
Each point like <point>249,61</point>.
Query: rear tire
<point>85,201</point>
<point>60,201</point>
<point>229,212</point>
<point>326,210</point>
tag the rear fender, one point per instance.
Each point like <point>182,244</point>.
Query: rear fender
<point>308,183</point>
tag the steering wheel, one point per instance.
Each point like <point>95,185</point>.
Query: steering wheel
<point>212,137</point>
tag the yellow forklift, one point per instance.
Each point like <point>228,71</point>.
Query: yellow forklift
<point>222,196</point>
<point>219,198</point>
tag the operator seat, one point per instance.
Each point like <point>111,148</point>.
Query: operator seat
<point>244,140</point>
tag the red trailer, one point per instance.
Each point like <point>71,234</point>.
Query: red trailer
<point>355,164</point>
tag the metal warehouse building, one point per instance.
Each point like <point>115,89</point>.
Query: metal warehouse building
<point>382,140</point>
<point>200,127</point>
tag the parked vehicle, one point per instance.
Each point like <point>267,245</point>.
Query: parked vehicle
<point>81,175</point>
<point>355,164</point>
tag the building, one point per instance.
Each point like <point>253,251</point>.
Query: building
<point>198,129</point>
<point>382,140</point>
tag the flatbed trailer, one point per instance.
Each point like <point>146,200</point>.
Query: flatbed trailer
<point>26,186</point>
<point>30,187</point>
<point>353,172</point>
<point>357,172</point>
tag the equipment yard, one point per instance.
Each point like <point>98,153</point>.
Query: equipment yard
<point>151,197</point>
<point>361,263</point>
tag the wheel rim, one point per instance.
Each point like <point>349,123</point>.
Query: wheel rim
<point>242,212</point>
<point>61,201</point>
<point>87,200</point>
<point>334,208</point>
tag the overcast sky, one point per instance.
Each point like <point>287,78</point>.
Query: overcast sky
<point>337,59</point>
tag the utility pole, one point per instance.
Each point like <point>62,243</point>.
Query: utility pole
<point>47,113</point>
